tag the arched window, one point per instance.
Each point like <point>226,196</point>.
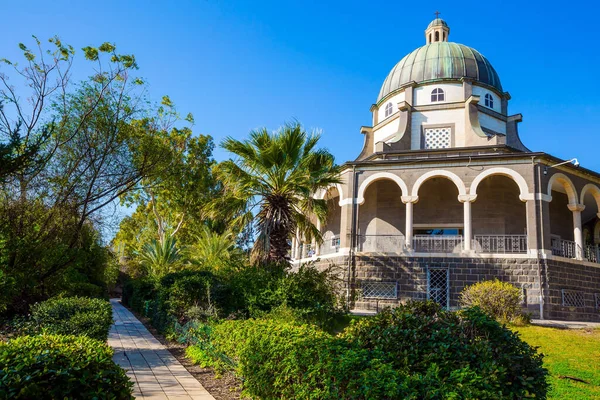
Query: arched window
<point>489,100</point>
<point>388,109</point>
<point>437,95</point>
<point>437,36</point>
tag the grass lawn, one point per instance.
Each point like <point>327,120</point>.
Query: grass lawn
<point>574,353</point>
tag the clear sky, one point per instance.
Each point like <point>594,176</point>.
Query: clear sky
<point>238,65</point>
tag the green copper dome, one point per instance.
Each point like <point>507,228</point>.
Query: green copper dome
<point>440,61</point>
<point>437,22</point>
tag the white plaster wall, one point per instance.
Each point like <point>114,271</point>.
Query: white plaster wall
<point>492,123</point>
<point>438,117</point>
<point>479,91</point>
<point>394,100</point>
<point>386,130</point>
<point>453,92</point>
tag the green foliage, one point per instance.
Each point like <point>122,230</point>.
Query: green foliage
<point>500,300</point>
<point>57,367</point>
<point>272,182</point>
<point>160,257</point>
<point>417,351</point>
<point>463,349</point>
<point>215,251</point>
<point>74,316</point>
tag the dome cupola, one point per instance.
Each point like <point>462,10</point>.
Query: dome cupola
<point>440,60</point>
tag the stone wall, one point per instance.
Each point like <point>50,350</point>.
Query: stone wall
<point>572,277</point>
<point>410,273</point>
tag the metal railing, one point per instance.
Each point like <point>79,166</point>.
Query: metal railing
<point>592,253</point>
<point>331,245</point>
<point>564,248</point>
<point>380,243</point>
<point>438,243</point>
<point>306,250</point>
<point>500,244</point>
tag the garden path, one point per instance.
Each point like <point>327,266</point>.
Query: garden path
<point>155,373</point>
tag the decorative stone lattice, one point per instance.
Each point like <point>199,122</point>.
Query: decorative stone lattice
<point>572,298</point>
<point>379,290</point>
<point>437,138</point>
<point>597,298</point>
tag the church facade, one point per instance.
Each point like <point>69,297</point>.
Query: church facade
<point>445,194</point>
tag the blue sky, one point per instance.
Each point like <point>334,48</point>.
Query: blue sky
<point>238,65</point>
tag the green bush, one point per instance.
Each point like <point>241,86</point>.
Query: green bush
<point>310,292</point>
<point>500,300</point>
<point>452,353</point>
<point>74,316</point>
<point>60,367</point>
<point>284,360</point>
<point>136,292</point>
<point>417,351</point>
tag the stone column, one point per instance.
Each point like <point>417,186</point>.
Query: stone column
<point>345,224</point>
<point>577,234</point>
<point>294,248</point>
<point>408,231</point>
<point>317,246</point>
<point>467,199</point>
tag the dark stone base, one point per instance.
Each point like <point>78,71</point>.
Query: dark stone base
<point>529,274</point>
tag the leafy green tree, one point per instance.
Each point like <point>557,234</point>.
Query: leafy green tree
<point>78,146</point>
<point>272,183</point>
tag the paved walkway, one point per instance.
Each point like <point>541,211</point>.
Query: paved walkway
<point>150,366</point>
<point>565,324</point>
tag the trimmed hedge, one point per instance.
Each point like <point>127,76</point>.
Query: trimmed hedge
<point>417,351</point>
<point>74,316</point>
<point>57,367</point>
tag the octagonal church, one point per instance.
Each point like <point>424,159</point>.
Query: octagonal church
<point>444,194</point>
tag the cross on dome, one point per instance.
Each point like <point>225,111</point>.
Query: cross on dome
<point>437,31</point>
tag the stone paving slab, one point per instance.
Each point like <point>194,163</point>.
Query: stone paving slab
<point>156,374</point>
<point>565,324</point>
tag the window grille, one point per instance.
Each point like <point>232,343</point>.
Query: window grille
<point>572,298</point>
<point>597,301</point>
<point>379,290</point>
<point>437,138</point>
<point>438,286</point>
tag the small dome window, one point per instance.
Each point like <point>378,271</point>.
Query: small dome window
<point>489,100</point>
<point>437,95</point>
<point>388,109</point>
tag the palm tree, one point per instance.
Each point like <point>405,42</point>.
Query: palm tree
<point>160,257</point>
<point>271,184</point>
<point>215,250</point>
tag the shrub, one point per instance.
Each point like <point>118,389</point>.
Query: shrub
<point>74,316</point>
<point>136,292</point>
<point>417,351</point>
<point>57,367</point>
<point>453,353</point>
<point>500,300</point>
<point>285,360</point>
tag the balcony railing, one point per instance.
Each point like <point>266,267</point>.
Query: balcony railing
<point>500,244</point>
<point>438,243</point>
<point>564,248</point>
<point>380,243</point>
<point>592,253</point>
<point>331,245</point>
